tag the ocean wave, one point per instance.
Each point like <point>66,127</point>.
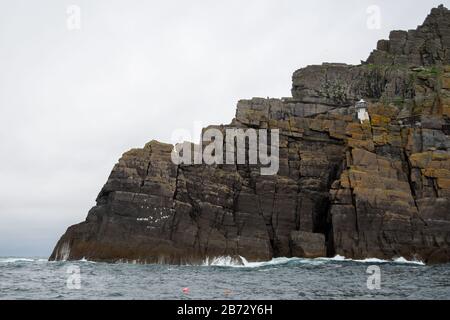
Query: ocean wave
<point>241,262</point>
<point>399,260</point>
<point>403,260</point>
<point>281,261</point>
<point>37,260</point>
<point>85,260</point>
<point>13,260</point>
<point>224,261</point>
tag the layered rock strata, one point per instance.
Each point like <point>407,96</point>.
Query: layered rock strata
<point>380,188</point>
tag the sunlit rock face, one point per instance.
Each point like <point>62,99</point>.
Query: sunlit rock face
<point>377,188</point>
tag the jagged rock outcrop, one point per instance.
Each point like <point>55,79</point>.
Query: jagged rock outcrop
<point>426,46</point>
<point>373,189</point>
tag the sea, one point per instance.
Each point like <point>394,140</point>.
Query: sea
<point>225,278</point>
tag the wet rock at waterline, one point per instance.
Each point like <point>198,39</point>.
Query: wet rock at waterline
<point>307,244</point>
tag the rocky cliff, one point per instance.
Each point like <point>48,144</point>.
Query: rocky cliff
<point>374,189</point>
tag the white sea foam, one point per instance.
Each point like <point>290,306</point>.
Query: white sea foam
<point>399,260</point>
<point>13,260</point>
<point>38,260</point>
<point>224,261</point>
<point>278,261</point>
<point>85,260</point>
<point>241,262</point>
<point>403,260</point>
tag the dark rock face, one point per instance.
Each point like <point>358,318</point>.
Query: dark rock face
<point>307,244</point>
<point>373,189</point>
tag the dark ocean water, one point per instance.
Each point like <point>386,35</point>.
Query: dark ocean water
<point>281,278</point>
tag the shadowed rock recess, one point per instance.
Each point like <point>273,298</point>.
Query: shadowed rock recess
<point>377,189</point>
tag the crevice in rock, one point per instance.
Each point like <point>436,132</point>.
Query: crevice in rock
<point>147,170</point>
<point>276,250</point>
<point>236,193</point>
<point>327,228</point>
<point>412,184</point>
<point>174,197</point>
<point>194,214</point>
<point>435,187</point>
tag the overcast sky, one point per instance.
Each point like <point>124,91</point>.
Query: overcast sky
<point>73,100</point>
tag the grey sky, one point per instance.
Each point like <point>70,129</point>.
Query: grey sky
<point>72,102</point>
